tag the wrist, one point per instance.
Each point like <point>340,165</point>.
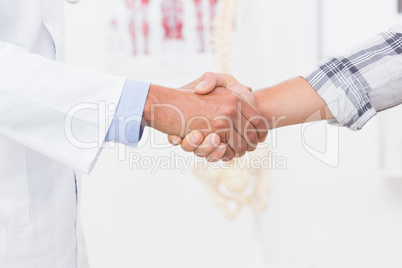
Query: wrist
<point>264,104</point>
<point>159,110</point>
<point>152,99</point>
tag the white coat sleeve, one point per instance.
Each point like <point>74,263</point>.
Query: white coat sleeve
<point>60,111</point>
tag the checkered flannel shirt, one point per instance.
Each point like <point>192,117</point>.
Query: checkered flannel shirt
<point>364,81</point>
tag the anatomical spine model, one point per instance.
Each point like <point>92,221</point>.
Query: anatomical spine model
<point>238,184</point>
<point>132,6</point>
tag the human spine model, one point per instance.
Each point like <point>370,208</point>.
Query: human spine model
<point>222,34</point>
<point>172,11</point>
<point>238,184</point>
<point>212,11</point>
<point>235,186</point>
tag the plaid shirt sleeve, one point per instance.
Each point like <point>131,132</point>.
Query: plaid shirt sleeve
<point>362,82</point>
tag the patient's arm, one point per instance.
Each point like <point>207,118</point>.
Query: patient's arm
<point>292,102</point>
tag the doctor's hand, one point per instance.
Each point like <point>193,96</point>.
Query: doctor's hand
<point>223,112</point>
<point>209,147</point>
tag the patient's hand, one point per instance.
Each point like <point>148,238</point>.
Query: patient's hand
<point>211,147</point>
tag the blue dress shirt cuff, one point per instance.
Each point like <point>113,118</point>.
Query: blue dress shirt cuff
<point>126,126</point>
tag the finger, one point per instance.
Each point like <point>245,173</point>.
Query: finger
<point>217,154</point>
<point>245,138</point>
<point>210,81</point>
<point>260,124</point>
<point>263,130</point>
<point>229,135</point>
<point>192,141</point>
<point>205,78</point>
<point>207,86</point>
<point>249,133</point>
<point>237,143</point>
<point>229,154</point>
<point>174,140</point>
<point>193,84</point>
<point>249,111</point>
<point>240,89</point>
<point>246,130</point>
<point>209,144</point>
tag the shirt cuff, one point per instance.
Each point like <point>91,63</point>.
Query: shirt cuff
<point>335,80</point>
<point>126,126</point>
<point>348,82</point>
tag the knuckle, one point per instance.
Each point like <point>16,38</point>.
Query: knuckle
<point>207,75</point>
<point>257,120</point>
<point>252,148</point>
<point>252,142</point>
<point>221,124</point>
<point>212,159</point>
<point>232,98</point>
<point>253,137</point>
<point>228,156</point>
<point>200,154</point>
<point>187,147</point>
<point>264,136</point>
<point>243,148</point>
<point>232,111</point>
<point>229,111</point>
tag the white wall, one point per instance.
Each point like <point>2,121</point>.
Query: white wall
<point>319,216</point>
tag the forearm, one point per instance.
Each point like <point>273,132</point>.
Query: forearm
<point>291,102</point>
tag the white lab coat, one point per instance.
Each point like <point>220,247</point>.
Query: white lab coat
<point>39,164</point>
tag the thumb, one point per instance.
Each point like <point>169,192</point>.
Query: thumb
<point>205,87</point>
<point>174,140</point>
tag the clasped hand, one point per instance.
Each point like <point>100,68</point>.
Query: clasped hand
<point>215,117</point>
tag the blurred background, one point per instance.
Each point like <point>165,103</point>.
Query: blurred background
<point>347,214</point>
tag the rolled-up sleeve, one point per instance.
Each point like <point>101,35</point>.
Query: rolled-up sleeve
<point>362,82</point>
<point>126,126</point>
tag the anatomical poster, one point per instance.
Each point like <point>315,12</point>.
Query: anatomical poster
<point>159,35</point>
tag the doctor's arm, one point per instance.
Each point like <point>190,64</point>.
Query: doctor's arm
<point>65,112</point>
<point>58,110</point>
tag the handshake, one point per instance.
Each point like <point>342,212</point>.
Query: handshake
<point>218,118</point>
<point>215,117</point>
